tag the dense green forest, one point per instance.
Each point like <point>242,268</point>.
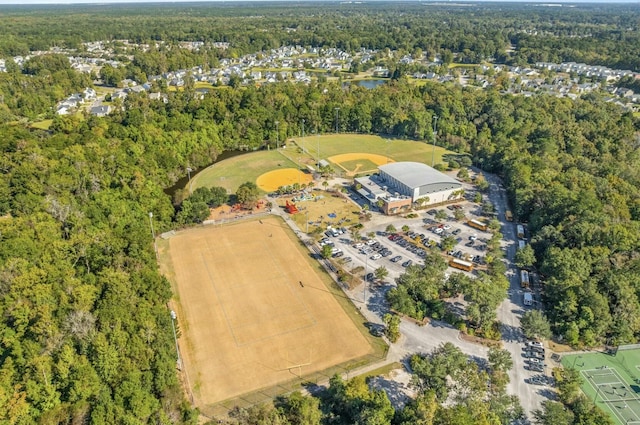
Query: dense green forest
<point>85,334</point>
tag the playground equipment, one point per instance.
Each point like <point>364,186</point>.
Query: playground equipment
<point>305,197</point>
<point>291,208</point>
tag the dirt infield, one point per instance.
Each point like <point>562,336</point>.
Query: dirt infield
<point>272,180</point>
<point>349,161</point>
<point>252,311</point>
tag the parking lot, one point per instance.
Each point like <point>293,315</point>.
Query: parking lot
<point>411,240</point>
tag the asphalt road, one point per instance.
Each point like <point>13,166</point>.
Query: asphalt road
<point>512,308</point>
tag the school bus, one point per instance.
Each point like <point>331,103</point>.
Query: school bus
<point>477,224</point>
<point>524,279</point>
<point>508,215</point>
<point>461,264</point>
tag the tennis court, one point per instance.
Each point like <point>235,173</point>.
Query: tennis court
<point>611,381</point>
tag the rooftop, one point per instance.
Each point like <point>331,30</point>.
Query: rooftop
<point>415,174</point>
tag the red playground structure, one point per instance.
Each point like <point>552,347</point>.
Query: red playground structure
<point>291,208</point>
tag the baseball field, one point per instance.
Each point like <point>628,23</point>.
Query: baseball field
<point>253,312</point>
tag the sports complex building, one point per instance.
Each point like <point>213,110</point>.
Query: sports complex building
<point>400,185</point>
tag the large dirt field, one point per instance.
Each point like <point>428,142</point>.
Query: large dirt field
<point>246,321</point>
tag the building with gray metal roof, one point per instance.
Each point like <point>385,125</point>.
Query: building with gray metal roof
<point>399,185</point>
<point>418,181</point>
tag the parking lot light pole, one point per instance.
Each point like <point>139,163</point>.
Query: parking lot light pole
<point>318,150</point>
<point>175,338</point>
<point>435,132</point>
<point>303,135</point>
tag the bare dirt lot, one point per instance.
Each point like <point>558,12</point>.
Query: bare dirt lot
<point>252,310</point>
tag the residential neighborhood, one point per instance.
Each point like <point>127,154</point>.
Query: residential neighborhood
<point>302,65</point>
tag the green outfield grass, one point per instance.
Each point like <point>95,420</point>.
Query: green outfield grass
<point>362,165</point>
<point>396,149</point>
<point>232,172</point>
<point>602,373</point>
<point>300,152</point>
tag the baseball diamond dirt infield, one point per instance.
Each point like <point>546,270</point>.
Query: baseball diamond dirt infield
<point>272,180</point>
<point>253,313</point>
<point>349,162</point>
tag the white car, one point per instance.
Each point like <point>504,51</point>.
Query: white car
<point>358,245</point>
<point>376,257</point>
<point>438,230</point>
<point>473,237</point>
<point>535,344</point>
<point>535,361</point>
<point>371,241</point>
<point>446,227</point>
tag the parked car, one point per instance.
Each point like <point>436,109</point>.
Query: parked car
<point>376,257</point>
<point>456,232</point>
<point>347,259</point>
<point>358,245</point>
<point>338,254</point>
<point>396,259</point>
<point>407,263</point>
<point>368,277</point>
<point>446,227</point>
<point>432,212</point>
<point>370,242</point>
<point>536,344</point>
<point>438,230</point>
<point>534,355</point>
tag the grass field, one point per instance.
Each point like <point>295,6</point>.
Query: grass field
<point>396,149</point>
<point>612,381</point>
<point>42,125</point>
<point>248,332</point>
<point>232,172</point>
<point>358,166</point>
<point>300,152</point>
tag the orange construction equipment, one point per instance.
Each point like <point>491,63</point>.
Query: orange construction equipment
<point>291,208</point>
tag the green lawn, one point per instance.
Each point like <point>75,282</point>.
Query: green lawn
<point>362,165</point>
<point>604,376</point>
<point>396,149</point>
<point>232,172</point>
<point>42,125</point>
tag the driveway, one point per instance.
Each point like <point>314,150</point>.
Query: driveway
<point>512,308</point>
